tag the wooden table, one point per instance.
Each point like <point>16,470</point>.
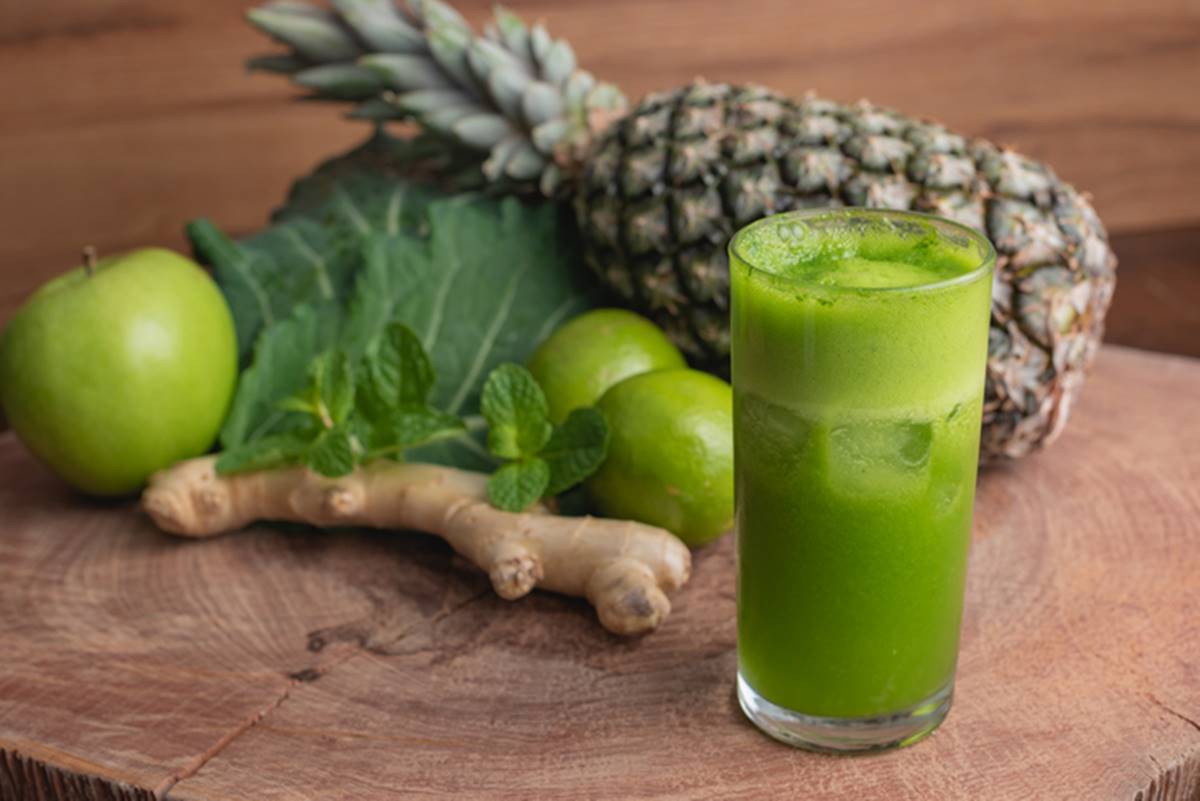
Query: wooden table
<point>288,664</point>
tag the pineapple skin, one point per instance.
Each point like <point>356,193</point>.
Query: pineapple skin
<point>664,188</point>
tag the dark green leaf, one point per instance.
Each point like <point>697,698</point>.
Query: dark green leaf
<point>371,174</point>
<point>265,278</point>
<point>516,412</point>
<point>271,451</point>
<point>479,281</point>
<point>516,485</point>
<point>576,449</point>
<point>379,287</point>
<point>332,455</point>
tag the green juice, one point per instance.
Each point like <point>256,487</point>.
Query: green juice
<point>859,343</point>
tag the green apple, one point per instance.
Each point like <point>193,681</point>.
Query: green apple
<point>120,368</point>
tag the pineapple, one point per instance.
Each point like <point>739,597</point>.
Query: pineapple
<point>658,189</point>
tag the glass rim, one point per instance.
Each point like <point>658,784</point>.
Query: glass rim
<point>986,264</point>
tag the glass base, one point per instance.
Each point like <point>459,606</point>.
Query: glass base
<point>845,735</point>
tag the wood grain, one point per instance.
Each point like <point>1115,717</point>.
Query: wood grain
<point>125,118</point>
<point>287,664</point>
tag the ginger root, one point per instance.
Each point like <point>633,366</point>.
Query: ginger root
<point>622,567</point>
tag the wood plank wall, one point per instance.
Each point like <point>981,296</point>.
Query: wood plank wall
<point>122,119</point>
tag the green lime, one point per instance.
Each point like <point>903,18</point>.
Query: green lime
<point>670,453</point>
<point>591,352</point>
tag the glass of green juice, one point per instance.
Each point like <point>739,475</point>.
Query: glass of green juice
<point>859,341</point>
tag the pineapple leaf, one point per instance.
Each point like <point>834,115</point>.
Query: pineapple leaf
<point>559,62</point>
<point>507,87</point>
<point>483,131</point>
<point>541,103</point>
<point>449,47</point>
<point>429,66</point>
<point>548,134</point>
<point>436,13</point>
<point>429,101</point>
<point>498,159</point>
<point>377,110</point>
<point>380,25</point>
<point>313,33</point>
<point>526,163</point>
<point>282,63</point>
<point>511,30</point>
<point>539,43</point>
<point>341,81</point>
<point>405,73</point>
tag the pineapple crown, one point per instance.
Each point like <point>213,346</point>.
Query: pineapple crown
<point>514,95</point>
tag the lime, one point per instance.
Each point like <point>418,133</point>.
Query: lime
<point>595,350</point>
<point>670,453</point>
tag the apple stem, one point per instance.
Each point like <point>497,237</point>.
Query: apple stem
<point>89,259</point>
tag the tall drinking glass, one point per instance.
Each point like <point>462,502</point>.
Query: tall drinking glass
<point>859,344</point>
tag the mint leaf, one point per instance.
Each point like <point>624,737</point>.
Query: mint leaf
<point>400,368</point>
<point>412,428</point>
<point>408,428</point>
<point>576,449</point>
<point>329,394</point>
<point>516,485</point>
<point>272,451</point>
<point>280,369</point>
<point>332,455</point>
<point>369,400</point>
<point>517,413</point>
<point>299,403</point>
<point>337,386</point>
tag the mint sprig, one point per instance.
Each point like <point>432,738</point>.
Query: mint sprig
<point>517,412</point>
<point>514,486</point>
<point>269,451</point>
<point>350,413</point>
<point>394,397</point>
<point>542,459</point>
<point>576,449</point>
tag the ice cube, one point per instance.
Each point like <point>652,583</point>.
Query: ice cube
<point>770,435</point>
<point>880,458</point>
<point>947,492</point>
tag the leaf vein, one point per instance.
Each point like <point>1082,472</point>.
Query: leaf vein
<point>393,212</point>
<point>439,304</point>
<point>489,340</point>
<point>242,265</point>
<point>352,211</point>
<point>314,258</point>
<point>556,317</point>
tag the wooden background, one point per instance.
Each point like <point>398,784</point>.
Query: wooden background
<point>122,119</point>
